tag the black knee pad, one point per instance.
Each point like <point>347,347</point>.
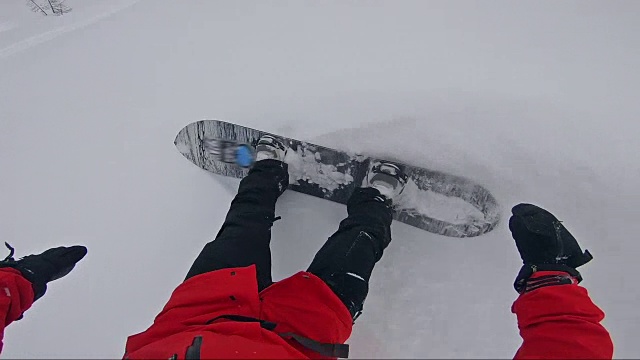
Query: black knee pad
<point>351,288</point>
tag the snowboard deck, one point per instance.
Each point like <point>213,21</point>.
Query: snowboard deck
<point>434,201</point>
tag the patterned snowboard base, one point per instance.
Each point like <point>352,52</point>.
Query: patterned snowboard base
<point>433,201</point>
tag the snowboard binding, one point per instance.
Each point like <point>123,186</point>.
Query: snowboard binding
<point>388,178</point>
<point>244,154</point>
<point>230,151</point>
<point>269,147</point>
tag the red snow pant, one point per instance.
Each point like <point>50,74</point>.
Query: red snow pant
<point>230,283</point>
<point>16,296</point>
<point>190,325</point>
<point>555,321</point>
<point>561,322</point>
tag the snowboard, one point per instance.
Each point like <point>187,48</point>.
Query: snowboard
<point>434,201</point>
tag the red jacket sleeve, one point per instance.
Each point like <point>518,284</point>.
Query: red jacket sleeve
<point>560,322</point>
<point>16,296</point>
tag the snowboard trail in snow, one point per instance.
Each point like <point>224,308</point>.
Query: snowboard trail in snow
<point>52,34</point>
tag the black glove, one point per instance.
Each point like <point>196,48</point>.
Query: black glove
<point>43,268</point>
<point>544,244</point>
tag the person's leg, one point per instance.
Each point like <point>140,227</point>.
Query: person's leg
<point>245,235</point>
<point>346,260</point>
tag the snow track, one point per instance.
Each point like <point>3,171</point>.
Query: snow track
<point>38,39</point>
<point>6,26</point>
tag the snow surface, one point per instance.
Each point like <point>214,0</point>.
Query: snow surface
<point>535,100</point>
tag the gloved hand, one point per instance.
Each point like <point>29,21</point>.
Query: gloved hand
<point>43,268</point>
<point>544,244</point>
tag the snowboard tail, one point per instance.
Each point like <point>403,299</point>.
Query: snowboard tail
<point>434,201</point>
